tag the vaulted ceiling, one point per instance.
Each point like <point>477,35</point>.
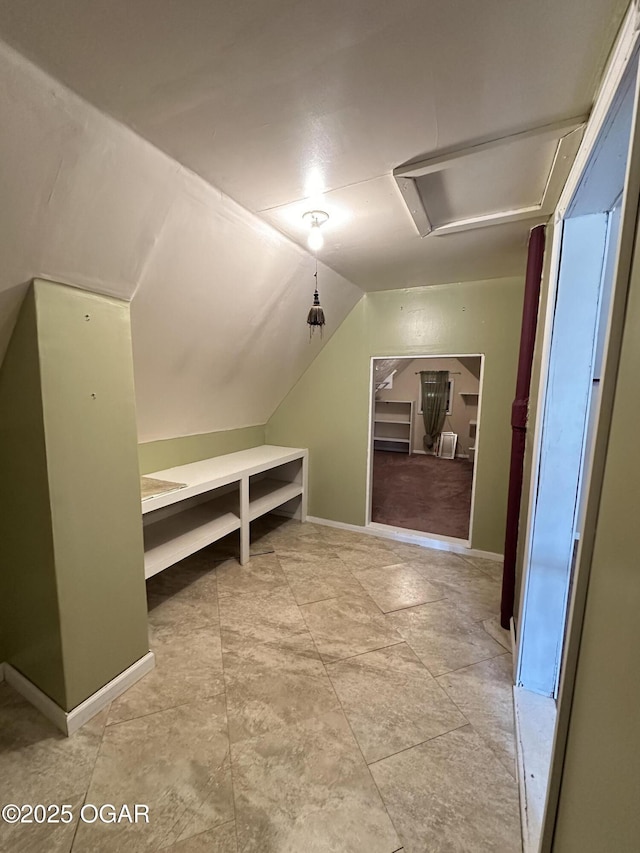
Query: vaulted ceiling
<point>290,104</point>
<point>175,172</point>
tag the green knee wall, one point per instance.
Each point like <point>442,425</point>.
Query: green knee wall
<point>72,552</point>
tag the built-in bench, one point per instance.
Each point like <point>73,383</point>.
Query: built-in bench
<point>190,506</point>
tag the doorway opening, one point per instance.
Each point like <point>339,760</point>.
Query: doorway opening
<point>424,444</point>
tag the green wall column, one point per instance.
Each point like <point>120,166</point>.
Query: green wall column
<point>30,636</point>
<point>93,589</point>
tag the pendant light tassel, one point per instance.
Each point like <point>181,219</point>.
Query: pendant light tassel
<point>315,318</point>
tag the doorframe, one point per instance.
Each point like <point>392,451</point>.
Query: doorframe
<point>623,54</point>
<point>434,537</point>
<point>577,605</point>
<point>533,625</point>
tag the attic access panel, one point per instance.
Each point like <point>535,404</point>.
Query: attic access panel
<point>505,178</point>
<point>502,180</point>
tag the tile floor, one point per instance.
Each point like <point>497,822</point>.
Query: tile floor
<point>340,694</point>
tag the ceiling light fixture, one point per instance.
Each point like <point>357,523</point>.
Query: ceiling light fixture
<point>315,219</point>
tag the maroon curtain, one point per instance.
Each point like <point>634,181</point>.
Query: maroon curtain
<point>519,412</point>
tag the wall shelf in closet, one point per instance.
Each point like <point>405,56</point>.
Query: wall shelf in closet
<point>393,425</point>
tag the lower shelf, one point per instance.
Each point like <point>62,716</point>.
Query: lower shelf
<point>170,540</point>
<point>396,444</point>
<point>267,494</point>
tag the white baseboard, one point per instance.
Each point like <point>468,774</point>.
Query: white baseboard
<point>413,537</point>
<point>70,721</point>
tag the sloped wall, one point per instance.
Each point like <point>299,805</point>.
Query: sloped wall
<point>219,298</point>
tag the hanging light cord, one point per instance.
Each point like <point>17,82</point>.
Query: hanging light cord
<point>316,295</point>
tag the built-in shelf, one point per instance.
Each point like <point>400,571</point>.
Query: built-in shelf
<point>468,393</point>
<point>380,419</point>
<point>219,496</point>
<point>171,539</point>
<point>393,425</point>
<point>268,494</point>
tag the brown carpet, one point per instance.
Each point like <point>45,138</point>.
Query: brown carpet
<point>422,493</point>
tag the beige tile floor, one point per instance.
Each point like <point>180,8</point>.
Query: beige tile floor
<point>341,694</point>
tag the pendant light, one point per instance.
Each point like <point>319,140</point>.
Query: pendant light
<point>315,318</point>
<point>316,218</point>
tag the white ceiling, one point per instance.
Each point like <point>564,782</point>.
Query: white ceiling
<point>273,101</point>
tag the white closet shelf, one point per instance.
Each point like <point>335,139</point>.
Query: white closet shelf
<point>172,539</point>
<point>221,495</point>
<point>268,494</point>
<point>393,425</point>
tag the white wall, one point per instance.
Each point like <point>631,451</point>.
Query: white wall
<point>219,298</point>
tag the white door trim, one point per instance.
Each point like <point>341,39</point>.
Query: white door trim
<point>621,57</point>
<point>622,274</point>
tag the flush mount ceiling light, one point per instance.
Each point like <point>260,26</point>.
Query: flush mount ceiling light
<point>315,219</point>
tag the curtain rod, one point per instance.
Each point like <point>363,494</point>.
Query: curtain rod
<point>450,372</point>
